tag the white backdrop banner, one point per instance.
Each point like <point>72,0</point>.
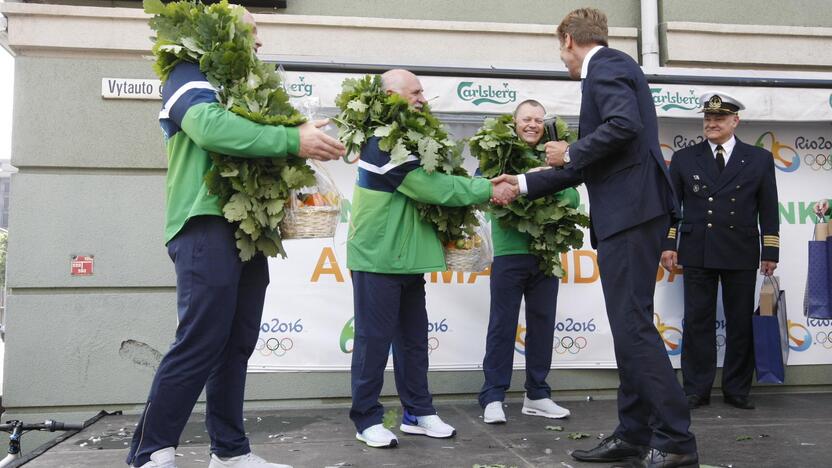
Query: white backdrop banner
<point>484,95</point>
<point>307,320</point>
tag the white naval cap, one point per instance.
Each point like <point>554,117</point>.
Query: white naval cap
<point>717,102</point>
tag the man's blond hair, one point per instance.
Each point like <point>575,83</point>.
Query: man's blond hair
<point>586,26</point>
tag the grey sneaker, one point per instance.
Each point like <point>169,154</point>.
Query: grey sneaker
<point>544,407</point>
<point>163,458</point>
<point>248,460</point>
<point>377,436</point>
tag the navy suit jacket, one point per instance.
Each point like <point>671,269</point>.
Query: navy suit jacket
<point>725,213</point>
<point>617,154</point>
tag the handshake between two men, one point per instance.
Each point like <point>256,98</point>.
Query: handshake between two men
<point>507,186</point>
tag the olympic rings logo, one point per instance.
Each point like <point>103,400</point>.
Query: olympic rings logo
<point>824,339</point>
<point>776,148</point>
<point>671,336</point>
<point>818,161</point>
<point>565,344</point>
<point>801,340</point>
<point>274,346</point>
<point>433,344</point>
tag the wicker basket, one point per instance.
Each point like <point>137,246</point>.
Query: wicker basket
<point>465,259</point>
<point>310,222</point>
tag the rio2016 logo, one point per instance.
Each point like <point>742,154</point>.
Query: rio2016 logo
<point>277,346</point>
<point>671,336</point>
<point>799,337</point>
<point>478,94</point>
<point>436,327</point>
<point>822,338</point>
<point>679,142</point>
<point>561,343</point>
<point>786,158</point>
<point>274,346</point>
<point>570,344</point>
<point>818,154</point>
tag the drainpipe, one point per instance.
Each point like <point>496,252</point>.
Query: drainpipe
<point>650,34</point>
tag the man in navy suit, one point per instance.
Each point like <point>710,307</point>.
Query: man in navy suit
<point>728,194</point>
<point>631,200</point>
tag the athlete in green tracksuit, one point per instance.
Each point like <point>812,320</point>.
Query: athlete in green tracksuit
<point>389,249</point>
<point>219,297</point>
<point>516,274</point>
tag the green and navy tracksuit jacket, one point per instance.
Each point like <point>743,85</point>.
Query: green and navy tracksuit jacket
<point>194,124</point>
<point>387,234</point>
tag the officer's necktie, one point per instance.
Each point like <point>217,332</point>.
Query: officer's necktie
<point>720,158</point>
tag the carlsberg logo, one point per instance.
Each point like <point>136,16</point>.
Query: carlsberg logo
<point>667,100</point>
<point>479,94</point>
<point>299,88</point>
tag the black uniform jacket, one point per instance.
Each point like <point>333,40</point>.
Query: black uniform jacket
<point>727,218</point>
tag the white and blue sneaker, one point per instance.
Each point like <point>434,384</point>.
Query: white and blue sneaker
<point>431,426</point>
<point>377,436</point>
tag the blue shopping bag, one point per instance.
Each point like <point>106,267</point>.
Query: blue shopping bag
<point>771,339</point>
<point>817,302</point>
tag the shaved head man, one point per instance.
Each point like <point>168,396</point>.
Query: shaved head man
<point>405,84</point>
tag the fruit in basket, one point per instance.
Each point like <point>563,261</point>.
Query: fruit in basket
<point>312,199</point>
<point>332,199</point>
<point>465,244</point>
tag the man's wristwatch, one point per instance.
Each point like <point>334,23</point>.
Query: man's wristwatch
<point>566,158</point>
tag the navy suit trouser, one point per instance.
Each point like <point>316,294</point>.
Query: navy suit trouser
<point>220,303</point>
<point>389,309</point>
<point>699,334</point>
<point>514,277</point>
<point>652,409</point>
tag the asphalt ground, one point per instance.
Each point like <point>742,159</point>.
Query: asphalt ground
<point>786,430</point>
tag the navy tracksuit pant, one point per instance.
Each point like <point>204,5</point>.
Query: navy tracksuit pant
<point>220,303</point>
<point>699,333</point>
<point>512,278</point>
<point>389,309</point>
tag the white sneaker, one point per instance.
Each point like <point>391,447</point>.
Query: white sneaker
<point>493,413</point>
<point>431,426</point>
<point>377,436</point>
<point>164,458</point>
<point>544,407</point>
<point>248,460</point>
